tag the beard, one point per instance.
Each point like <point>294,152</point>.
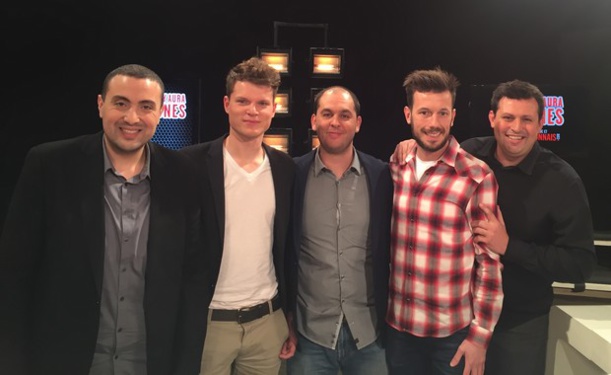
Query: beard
<point>431,148</point>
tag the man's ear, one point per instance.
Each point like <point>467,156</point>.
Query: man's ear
<point>100,104</point>
<point>408,114</point>
<point>226,103</point>
<point>491,117</point>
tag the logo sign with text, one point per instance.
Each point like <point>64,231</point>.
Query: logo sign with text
<point>553,115</point>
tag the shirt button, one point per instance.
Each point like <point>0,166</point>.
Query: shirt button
<point>121,299</point>
<point>120,329</point>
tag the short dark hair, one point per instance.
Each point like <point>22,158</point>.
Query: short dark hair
<point>517,89</point>
<point>432,80</point>
<point>255,71</point>
<point>357,103</point>
<point>135,71</point>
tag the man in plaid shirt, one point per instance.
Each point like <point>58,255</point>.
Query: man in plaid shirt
<point>445,290</point>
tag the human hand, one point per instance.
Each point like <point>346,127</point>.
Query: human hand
<point>290,345</point>
<point>288,348</point>
<point>402,149</point>
<point>475,358</point>
<point>491,232</point>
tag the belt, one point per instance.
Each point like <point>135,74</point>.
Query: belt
<point>246,314</point>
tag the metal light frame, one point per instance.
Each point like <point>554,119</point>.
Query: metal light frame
<point>313,140</point>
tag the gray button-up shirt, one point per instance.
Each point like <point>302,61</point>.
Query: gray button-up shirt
<point>335,263</point>
<point>121,345</point>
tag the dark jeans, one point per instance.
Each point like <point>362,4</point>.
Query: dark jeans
<point>313,359</point>
<point>519,350</point>
<point>407,354</point>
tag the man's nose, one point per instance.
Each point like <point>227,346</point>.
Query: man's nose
<point>517,125</point>
<point>334,120</point>
<point>252,109</point>
<point>131,116</point>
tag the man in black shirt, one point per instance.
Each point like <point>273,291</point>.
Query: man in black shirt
<point>546,234</point>
<point>543,232</point>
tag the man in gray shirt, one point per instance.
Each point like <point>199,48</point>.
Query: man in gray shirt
<point>97,239</point>
<point>342,201</point>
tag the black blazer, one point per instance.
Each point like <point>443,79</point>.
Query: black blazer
<point>52,251</point>
<point>380,186</point>
<point>209,160</point>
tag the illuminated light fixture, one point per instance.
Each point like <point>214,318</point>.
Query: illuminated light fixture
<point>327,62</point>
<point>283,102</point>
<point>279,138</point>
<point>279,59</point>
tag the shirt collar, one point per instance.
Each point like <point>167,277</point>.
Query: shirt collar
<point>527,165</point>
<point>319,166</point>
<point>449,155</point>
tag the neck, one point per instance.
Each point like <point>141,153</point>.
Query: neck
<point>249,154</point>
<point>506,162</point>
<point>250,147</point>
<point>337,163</point>
<point>429,156</point>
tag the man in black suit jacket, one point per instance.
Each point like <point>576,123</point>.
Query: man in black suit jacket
<point>247,186</point>
<point>95,242</point>
<point>341,226</point>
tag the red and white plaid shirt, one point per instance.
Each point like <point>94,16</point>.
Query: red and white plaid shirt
<point>441,281</point>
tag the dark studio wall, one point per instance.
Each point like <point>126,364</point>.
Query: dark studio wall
<point>56,54</point>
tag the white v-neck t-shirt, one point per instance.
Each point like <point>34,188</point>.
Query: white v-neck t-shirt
<point>247,276</point>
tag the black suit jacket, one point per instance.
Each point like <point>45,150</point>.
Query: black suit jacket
<point>52,251</point>
<point>209,160</point>
<point>380,186</point>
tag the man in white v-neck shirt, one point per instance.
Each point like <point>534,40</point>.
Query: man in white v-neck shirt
<point>246,191</point>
